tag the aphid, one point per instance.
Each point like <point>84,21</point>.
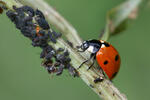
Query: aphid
<point>100,79</point>
<point>56,35</point>
<point>46,50</point>
<point>60,50</point>
<point>73,72</point>
<point>42,23</point>
<point>50,55</point>
<point>1,10</point>
<point>70,43</point>
<point>106,55</point>
<point>26,30</point>
<point>60,69</point>
<point>28,10</point>
<point>27,19</point>
<point>51,69</point>
<point>66,53</point>
<point>3,6</point>
<point>51,37</point>
<point>39,14</point>
<point>47,63</point>
<point>12,15</point>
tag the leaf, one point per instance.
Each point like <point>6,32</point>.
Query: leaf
<point>118,17</point>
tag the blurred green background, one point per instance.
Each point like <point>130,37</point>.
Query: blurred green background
<point>22,77</point>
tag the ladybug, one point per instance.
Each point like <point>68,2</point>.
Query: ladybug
<point>106,55</point>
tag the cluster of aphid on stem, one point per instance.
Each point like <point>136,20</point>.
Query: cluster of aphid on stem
<point>32,24</point>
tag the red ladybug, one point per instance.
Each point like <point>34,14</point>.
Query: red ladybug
<point>105,54</point>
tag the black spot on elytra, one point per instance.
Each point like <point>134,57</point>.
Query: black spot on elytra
<point>114,74</point>
<point>116,57</point>
<point>105,62</point>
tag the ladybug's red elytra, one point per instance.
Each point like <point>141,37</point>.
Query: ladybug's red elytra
<point>106,55</point>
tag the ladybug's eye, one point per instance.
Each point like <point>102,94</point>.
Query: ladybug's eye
<point>85,45</point>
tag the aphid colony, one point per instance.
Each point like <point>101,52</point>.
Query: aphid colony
<point>32,24</point>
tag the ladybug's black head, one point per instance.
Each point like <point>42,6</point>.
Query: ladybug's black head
<point>91,45</point>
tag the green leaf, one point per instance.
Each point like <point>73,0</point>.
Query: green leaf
<point>117,18</point>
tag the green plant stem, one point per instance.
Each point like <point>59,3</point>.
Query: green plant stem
<point>105,89</point>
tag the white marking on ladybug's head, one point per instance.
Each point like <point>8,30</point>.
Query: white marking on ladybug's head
<point>90,49</point>
<point>103,45</point>
<point>102,41</point>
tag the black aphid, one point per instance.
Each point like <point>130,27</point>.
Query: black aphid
<point>39,14</point>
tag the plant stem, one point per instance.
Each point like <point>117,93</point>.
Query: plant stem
<point>104,89</point>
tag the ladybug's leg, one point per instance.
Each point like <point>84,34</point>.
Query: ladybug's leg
<point>101,78</point>
<point>101,71</point>
<point>91,56</point>
<point>91,65</point>
<point>84,62</point>
<point>92,62</point>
